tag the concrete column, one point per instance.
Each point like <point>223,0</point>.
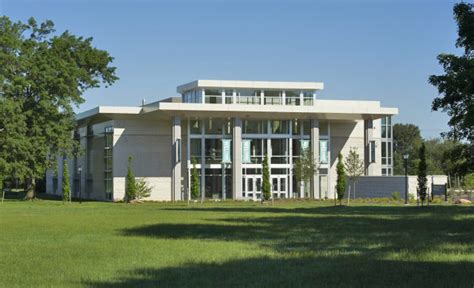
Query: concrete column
<point>315,149</point>
<point>176,158</point>
<point>237,159</point>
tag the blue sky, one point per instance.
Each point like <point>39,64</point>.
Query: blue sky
<point>367,50</point>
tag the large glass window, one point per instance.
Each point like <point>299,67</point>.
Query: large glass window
<point>272,97</point>
<point>254,127</point>
<point>213,151</point>
<point>280,127</point>
<point>108,162</point>
<point>258,149</point>
<point>246,96</point>
<point>213,96</point>
<point>279,151</point>
<point>214,126</point>
<point>195,149</point>
<point>195,127</point>
<point>292,97</point>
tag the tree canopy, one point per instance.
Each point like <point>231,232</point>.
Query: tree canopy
<point>43,75</point>
<point>456,86</point>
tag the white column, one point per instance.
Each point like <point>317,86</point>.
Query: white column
<point>237,159</point>
<point>262,98</point>
<point>176,158</point>
<point>315,149</point>
<point>283,98</point>
<point>223,97</point>
<point>301,98</point>
<point>203,96</point>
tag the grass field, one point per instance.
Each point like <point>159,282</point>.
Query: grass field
<point>295,244</point>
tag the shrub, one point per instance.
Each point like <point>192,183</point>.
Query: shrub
<point>194,181</point>
<point>396,196</point>
<point>143,190</point>
<point>65,186</point>
<point>469,181</point>
<point>341,179</point>
<point>266,188</point>
<point>130,186</point>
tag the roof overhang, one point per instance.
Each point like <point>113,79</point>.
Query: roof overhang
<point>264,85</point>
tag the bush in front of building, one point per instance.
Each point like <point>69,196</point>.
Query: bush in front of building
<point>194,181</point>
<point>65,188</point>
<point>130,185</point>
<point>341,179</point>
<point>143,190</point>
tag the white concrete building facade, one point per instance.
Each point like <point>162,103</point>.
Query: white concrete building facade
<point>226,128</point>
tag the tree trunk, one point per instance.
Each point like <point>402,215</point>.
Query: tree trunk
<point>349,195</point>
<point>30,189</point>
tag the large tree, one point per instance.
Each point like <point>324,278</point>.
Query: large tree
<point>456,86</point>
<point>406,140</point>
<point>43,75</point>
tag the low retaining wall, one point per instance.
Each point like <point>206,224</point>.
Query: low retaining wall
<point>384,186</point>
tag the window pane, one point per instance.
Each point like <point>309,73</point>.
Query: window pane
<point>195,127</point>
<point>195,148</point>
<point>306,127</point>
<point>254,127</point>
<point>213,150</point>
<point>279,127</point>
<point>214,126</point>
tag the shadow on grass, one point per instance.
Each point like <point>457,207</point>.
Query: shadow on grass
<point>377,246</point>
<point>302,272</point>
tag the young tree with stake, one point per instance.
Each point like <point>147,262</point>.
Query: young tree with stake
<point>266,188</point>
<point>355,168</point>
<point>65,186</point>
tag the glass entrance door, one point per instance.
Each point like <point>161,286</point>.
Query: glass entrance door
<point>252,187</point>
<point>279,186</point>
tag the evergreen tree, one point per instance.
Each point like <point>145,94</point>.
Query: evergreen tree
<point>266,188</point>
<point>143,190</point>
<point>65,187</point>
<point>194,180</point>
<point>130,186</point>
<point>341,179</point>
<point>422,180</point>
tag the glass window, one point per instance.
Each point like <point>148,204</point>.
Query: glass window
<point>307,127</point>
<point>279,126</point>
<point>213,150</point>
<point>372,151</point>
<point>195,149</point>
<point>214,126</point>
<point>323,128</point>
<point>254,127</point>
<point>195,127</point>
<point>384,131</point>
<point>292,97</point>
<point>296,127</point>
<point>213,92</point>
<point>384,149</point>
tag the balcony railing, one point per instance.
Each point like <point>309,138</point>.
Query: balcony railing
<point>248,100</point>
<point>293,101</point>
<point>308,101</point>
<point>213,99</point>
<point>273,101</point>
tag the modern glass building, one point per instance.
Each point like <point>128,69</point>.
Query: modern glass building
<point>224,129</point>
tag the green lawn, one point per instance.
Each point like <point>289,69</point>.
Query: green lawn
<point>47,243</point>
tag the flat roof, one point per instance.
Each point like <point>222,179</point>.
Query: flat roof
<point>250,85</point>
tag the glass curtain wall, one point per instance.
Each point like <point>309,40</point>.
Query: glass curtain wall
<point>206,142</point>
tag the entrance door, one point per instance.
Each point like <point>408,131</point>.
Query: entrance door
<point>252,187</point>
<point>279,186</point>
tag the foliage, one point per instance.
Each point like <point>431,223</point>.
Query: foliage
<point>406,140</point>
<point>143,190</point>
<point>194,180</point>
<point>422,180</point>
<point>396,196</point>
<point>266,188</point>
<point>42,76</point>
<point>341,179</point>
<point>469,181</point>
<point>354,167</point>
<point>456,92</point>
<point>66,189</point>
<point>305,166</point>
<point>130,185</point>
